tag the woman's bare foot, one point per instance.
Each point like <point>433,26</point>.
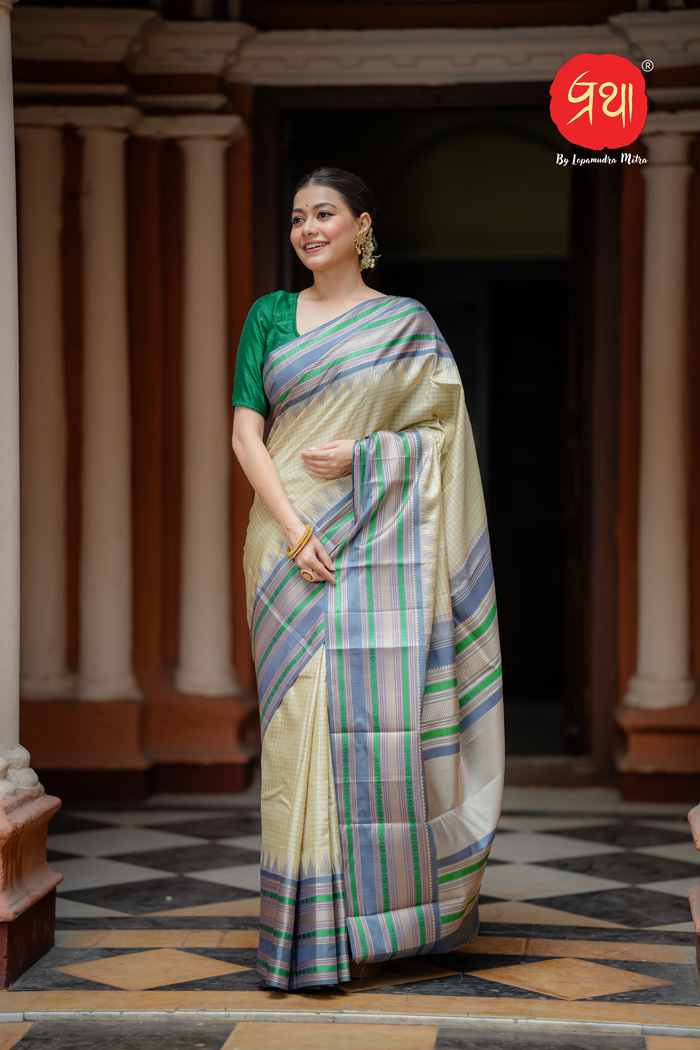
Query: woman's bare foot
<point>361,971</point>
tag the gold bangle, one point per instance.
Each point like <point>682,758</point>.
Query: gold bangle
<point>301,542</point>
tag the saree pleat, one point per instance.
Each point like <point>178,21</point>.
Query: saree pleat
<point>380,696</point>
<point>303,934</point>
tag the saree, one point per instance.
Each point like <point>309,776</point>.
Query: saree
<point>380,696</point>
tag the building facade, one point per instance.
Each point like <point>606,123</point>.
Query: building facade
<point>156,150</point>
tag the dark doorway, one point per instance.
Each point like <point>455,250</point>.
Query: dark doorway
<point>504,322</point>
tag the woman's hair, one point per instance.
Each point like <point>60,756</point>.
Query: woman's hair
<point>352,188</point>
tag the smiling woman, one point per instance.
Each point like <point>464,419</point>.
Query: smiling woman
<point>372,613</point>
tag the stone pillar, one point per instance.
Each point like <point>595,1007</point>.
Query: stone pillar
<point>662,678</point>
<point>26,882</point>
<point>14,759</point>
<point>105,670</point>
<point>43,428</point>
<point>205,665</point>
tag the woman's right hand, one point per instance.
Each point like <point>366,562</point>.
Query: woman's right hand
<point>314,557</point>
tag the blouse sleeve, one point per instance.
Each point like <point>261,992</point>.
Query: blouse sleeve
<point>248,389</point>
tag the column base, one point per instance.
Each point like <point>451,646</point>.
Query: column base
<point>125,749</point>
<point>27,938</point>
<point>120,785</point>
<point>83,734</point>
<point>27,883</point>
<point>191,683</point>
<point>123,687</point>
<point>651,693</point>
<point>661,761</point>
<point>57,687</point>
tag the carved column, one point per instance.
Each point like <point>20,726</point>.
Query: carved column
<point>662,677</point>
<point>105,671</point>
<point>205,666</point>
<point>26,882</point>
<point>43,433</point>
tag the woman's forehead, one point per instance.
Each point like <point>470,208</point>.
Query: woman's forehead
<point>312,196</point>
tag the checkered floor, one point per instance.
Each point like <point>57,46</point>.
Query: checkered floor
<point>585,931</point>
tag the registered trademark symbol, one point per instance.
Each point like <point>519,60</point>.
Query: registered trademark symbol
<point>647,65</point>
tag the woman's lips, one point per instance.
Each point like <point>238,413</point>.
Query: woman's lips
<point>315,248</point>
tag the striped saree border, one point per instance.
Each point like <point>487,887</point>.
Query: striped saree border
<point>389,330</point>
<point>375,657</point>
<point>303,938</point>
<point>287,625</point>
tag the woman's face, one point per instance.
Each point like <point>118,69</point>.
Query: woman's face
<point>324,229</point>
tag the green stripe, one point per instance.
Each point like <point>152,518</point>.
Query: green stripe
<point>268,605</point>
<point>322,933</point>
<point>343,521</point>
<point>315,969</point>
<point>283,935</point>
<point>464,871</point>
<point>277,897</point>
<point>323,898</point>
<point>313,592</point>
<point>447,731</point>
<point>285,580</point>
<point>338,328</point>
<point>342,703</point>
<point>272,969</point>
<point>458,914</point>
<point>289,666</point>
<point>371,363</point>
<point>376,739</point>
<point>477,631</point>
<point>405,679</point>
<point>471,693</point>
<point>437,686</point>
<point>277,933</point>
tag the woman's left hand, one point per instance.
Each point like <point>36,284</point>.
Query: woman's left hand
<point>332,460</point>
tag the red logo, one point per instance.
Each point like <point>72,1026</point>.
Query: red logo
<point>599,101</point>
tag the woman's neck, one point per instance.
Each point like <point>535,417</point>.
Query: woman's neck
<point>336,287</point>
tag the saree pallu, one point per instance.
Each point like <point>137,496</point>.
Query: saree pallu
<point>380,695</point>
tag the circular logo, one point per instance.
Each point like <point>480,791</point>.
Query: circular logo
<point>599,101</point>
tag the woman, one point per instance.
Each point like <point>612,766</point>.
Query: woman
<point>372,613</point>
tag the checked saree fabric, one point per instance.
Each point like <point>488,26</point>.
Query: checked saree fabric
<point>380,696</point>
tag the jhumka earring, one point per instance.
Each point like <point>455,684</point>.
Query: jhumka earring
<point>365,249</point>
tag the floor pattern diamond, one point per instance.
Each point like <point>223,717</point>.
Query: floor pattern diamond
<point>150,969</point>
<point>579,979</point>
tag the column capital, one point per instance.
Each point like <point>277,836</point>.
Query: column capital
<point>23,131</point>
<point>675,122</point>
<point>667,149</point>
<point>7,5</point>
<point>84,118</point>
<point>226,127</point>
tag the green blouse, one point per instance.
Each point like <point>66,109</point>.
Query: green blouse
<point>271,321</point>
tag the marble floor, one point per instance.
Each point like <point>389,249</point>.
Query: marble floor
<point>585,943</point>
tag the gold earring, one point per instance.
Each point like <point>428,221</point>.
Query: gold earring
<point>365,250</point>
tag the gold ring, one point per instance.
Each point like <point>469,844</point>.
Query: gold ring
<point>307,574</point>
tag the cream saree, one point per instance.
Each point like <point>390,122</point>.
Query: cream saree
<point>380,696</point>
